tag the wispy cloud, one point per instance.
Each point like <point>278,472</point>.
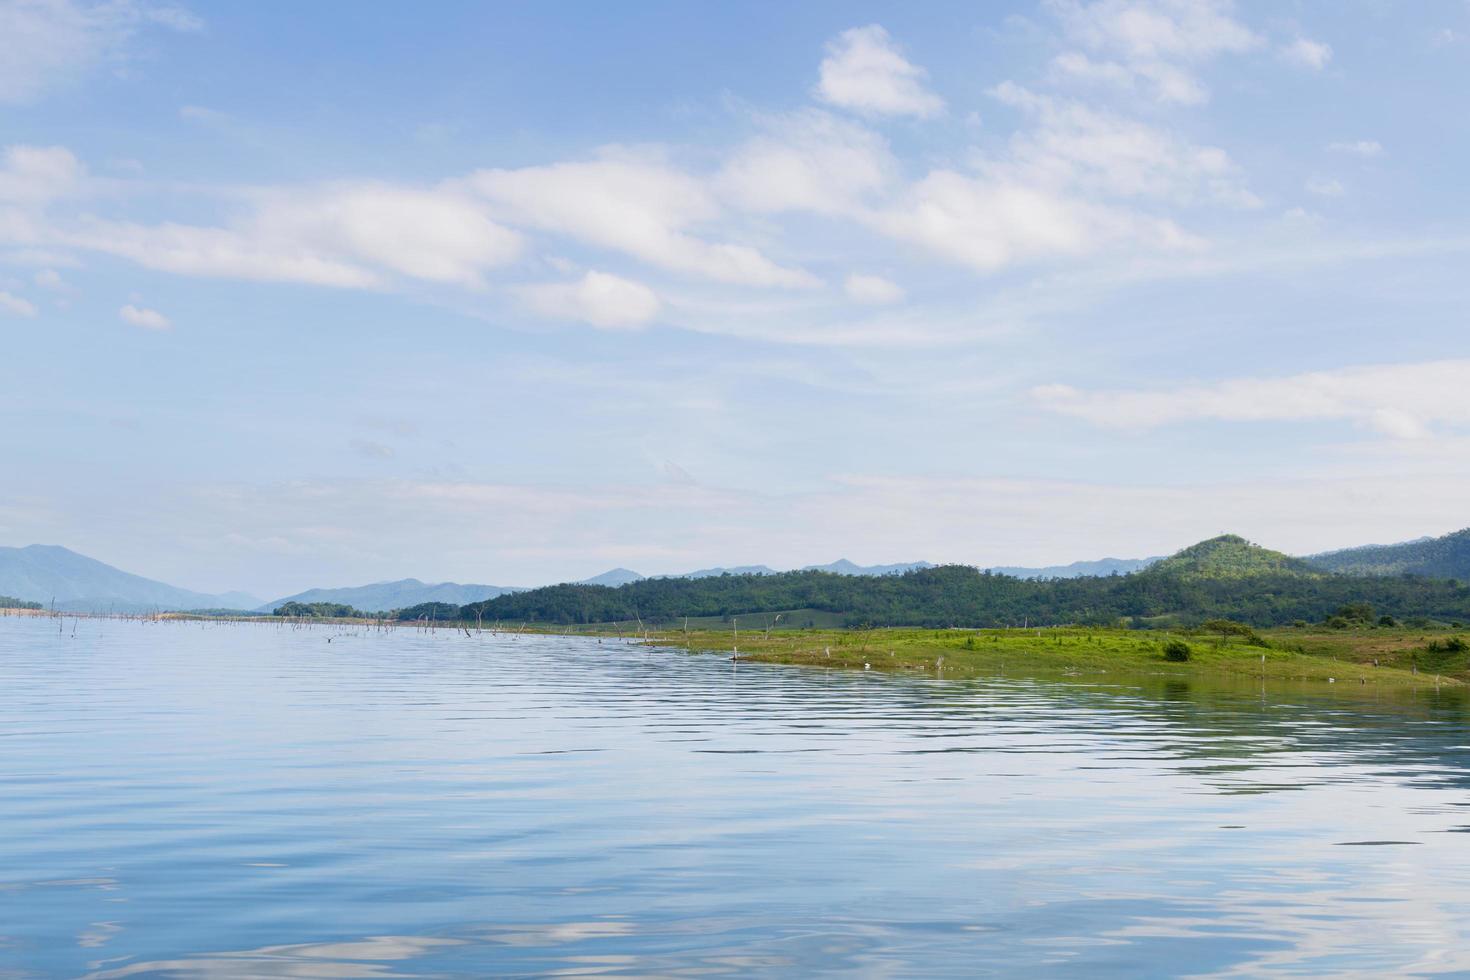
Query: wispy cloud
<point>1402,401</point>
<point>49,43</point>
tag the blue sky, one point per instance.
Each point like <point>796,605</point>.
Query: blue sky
<point>301,295</point>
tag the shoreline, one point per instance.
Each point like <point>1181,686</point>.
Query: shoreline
<point>1071,652</point>
<point>1392,658</point>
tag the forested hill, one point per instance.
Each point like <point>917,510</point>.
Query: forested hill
<point>1224,577</point>
<point>1230,556</point>
<point>1445,557</point>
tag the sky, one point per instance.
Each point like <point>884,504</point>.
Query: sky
<point>298,295</point>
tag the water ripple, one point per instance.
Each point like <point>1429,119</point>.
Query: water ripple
<point>248,800</point>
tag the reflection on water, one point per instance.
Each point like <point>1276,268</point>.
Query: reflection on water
<point>216,800</point>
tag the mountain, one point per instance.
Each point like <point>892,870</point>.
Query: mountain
<point>1079,569</point>
<point>383,596</point>
<point>844,567</point>
<point>734,570</point>
<point>1443,557</point>
<point>623,576</point>
<point>613,578</point>
<point>1226,557</point>
<point>43,573</point>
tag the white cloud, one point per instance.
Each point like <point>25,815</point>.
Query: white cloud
<point>865,71</point>
<point>599,298</point>
<point>640,207</point>
<point>434,235</point>
<point>347,235</point>
<point>51,42</point>
<point>1359,148</point>
<point>1446,35</point>
<point>1402,401</point>
<point>140,316</point>
<point>362,234</point>
<point>1152,44</point>
<point>226,253</point>
<point>874,290</point>
<point>1305,53</point>
<point>1168,83</point>
<point>989,224</point>
<point>16,306</point>
<point>1069,185</point>
<point>1325,186</point>
<point>33,176</point>
<point>1184,30</point>
<point>809,161</point>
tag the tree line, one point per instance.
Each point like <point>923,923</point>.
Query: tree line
<point>963,596</point>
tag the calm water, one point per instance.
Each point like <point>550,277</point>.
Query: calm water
<point>186,799</point>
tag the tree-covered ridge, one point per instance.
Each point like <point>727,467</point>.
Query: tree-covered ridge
<point>1230,556</point>
<point>319,610</point>
<point>1443,557</point>
<point>11,602</point>
<point>1224,578</point>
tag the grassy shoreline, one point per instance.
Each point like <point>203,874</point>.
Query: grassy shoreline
<point>957,654</point>
<point>1398,657</point>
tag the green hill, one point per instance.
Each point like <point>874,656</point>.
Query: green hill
<point>1229,556</point>
<point>1223,578</point>
<point>1443,557</point>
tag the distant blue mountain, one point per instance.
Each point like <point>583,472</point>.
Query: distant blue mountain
<point>734,570</point>
<point>383,596</point>
<point>60,578</point>
<point>1079,569</point>
<point>613,578</point>
<point>623,576</point>
<point>844,567</point>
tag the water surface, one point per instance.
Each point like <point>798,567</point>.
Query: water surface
<point>187,799</point>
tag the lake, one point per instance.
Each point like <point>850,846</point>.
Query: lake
<point>210,799</point>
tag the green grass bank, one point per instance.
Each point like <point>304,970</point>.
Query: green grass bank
<point>1391,658</point>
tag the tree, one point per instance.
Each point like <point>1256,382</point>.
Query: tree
<point>1356,612</point>
<point>1176,651</point>
<point>319,610</point>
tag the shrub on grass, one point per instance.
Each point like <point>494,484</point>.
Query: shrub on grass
<point>1176,651</point>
